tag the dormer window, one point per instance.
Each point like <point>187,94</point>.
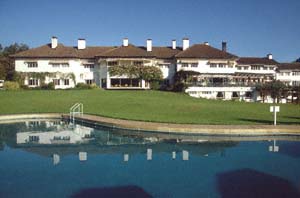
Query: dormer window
<point>32,64</point>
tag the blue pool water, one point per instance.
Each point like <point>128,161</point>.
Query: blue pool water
<point>53,159</point>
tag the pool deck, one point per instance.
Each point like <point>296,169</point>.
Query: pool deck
<point>237,130</point>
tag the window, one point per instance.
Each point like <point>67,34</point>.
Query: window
<point>55,65</point>
<point>112,63</point>
<point>34,138</point>
<point>213,65</point>
<point>33,82</point>
<point>67,82</point>
<point>222,65</point>
<point>89,66</point>
<point>246,68</point>
<point>185,65</point>
<point>89,81</point>
<point>193,92</point>
<point>32,64</point>
<point>255,67</point>
<point>271,68</point>
<point>194,65</point>
<point>138,63</point>
<point>206,92</point>
<point>296,83</point>
<point>239,68</point>
<point>265,68</point>
<point>296,73</point>
<point>65,64</point>
<point>56,81</point>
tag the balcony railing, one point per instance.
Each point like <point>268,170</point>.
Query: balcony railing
<point>224,84</point>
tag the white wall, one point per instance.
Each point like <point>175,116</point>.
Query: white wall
<point>204,66</point>
<point>75,66</point>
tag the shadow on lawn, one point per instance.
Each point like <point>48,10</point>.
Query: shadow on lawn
<point>249,183</point>
<point>268,122</point>
<point>119,191</point>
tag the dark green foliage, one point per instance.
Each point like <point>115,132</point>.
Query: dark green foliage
<point>7,68</point>
<point>49,86</point>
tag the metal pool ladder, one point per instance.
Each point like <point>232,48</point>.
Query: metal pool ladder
<point>76,109</point>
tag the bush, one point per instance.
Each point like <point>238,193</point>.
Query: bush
<point>86,86</point>
<point>155,85</point>
<point>179,87</point>
<point>10,85</point>
<point>49,86</point>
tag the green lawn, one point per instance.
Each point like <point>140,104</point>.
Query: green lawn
<point>146,105</point>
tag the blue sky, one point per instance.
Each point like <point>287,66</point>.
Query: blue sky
<point>251,27</point>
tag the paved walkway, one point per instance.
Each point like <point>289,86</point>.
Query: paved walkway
<point>249,130</point>
<point>195,128</point>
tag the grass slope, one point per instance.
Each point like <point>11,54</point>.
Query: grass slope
<point>147,106</point>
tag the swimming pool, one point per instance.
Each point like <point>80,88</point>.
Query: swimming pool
<point>49,158</point>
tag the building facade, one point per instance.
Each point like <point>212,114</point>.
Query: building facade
<point>218,74</point>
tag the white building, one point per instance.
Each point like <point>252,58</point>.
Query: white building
<point>66,66</point>
<point>289,73</point>
<point>217,73</point>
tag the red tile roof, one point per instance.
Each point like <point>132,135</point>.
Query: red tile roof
<point>289,66</point>
<point>256,61</point>
<point>203,51</point>
<point>61,51</point>
<point>129,51</point>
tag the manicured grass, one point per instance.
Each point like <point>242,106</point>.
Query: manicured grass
<point>147,106</point>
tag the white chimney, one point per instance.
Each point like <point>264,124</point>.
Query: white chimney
<point>125,42</point>
<point>81,44</point>
<point>149,45</point>
<point>206,43</point>
<point>54,42</point>
<point>185,43</point>
<point>270,56</point>
<point>173,44</point>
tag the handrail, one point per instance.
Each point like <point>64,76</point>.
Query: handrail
<point>77,108</point>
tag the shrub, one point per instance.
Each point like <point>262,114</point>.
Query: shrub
<point>155,85</point>
<point>10,85</point>
<point>86,86</point>
<point>179,87</point>
<point>49,86</point>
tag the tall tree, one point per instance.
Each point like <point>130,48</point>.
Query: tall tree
<point>7,68</point>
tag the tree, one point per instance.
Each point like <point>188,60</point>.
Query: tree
<point>298,60</point>
<point>7,68</point>
<point>277,89</point>
<point>148,73</point>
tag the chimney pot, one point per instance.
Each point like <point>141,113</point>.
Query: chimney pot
<point>185,43</point>
<point>81,44</point>
<point>149,45</point>
<point>54,42</point>
<point>270,56</point>
<point>224,46</point>
<point>174,44</point>
<point>125,42</point>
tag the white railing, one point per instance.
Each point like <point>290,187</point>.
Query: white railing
<point>76,109</point>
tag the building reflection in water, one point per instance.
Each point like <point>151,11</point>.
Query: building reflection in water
<point>58,139</point>
<point>185,155</point>
<point>149,154</point>
<point>56,159</point>
<point>82,156</point>
<point>173,155</point>
<point>126,157</point>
